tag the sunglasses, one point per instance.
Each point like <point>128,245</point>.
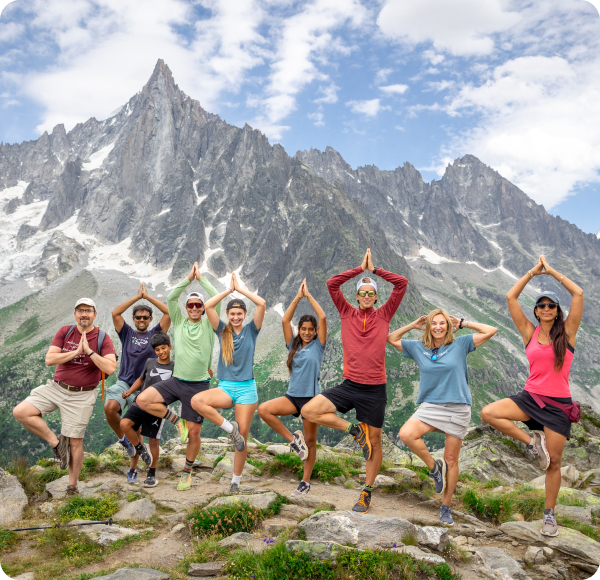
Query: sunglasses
<point>544,305</point>
<point>141,317</point>
<point>363,293</point>
<point>434,353</point>
<point>193,305</point>
<point>83,311</point>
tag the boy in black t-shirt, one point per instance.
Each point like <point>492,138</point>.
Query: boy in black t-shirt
<point>136,422</point>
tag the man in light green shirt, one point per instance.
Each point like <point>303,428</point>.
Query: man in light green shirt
<point>194,341</point>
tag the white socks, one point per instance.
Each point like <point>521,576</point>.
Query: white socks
<point>227,426</point>
<point>236,479</point>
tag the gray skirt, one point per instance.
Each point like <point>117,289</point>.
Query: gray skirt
<point>450,418</point>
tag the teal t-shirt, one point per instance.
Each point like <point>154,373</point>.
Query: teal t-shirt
<point>306,367</point>
<point>244,343</point>
<point>446,379</point>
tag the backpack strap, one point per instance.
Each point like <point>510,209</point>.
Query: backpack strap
<point>70,331</point>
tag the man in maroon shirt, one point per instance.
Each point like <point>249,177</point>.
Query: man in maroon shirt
<point>79,367</point>
<point>364,338</point>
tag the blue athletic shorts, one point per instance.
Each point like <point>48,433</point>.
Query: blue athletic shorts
<point>241,392</point>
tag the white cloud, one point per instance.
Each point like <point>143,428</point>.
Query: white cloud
<point>432,57</point>
<point>382,75</point>
<point>440,85</point>
<point>317,118</point>
<point>461,27</point>
<point>368,108</point>
<point>329,94</point>
<point>394,89</point>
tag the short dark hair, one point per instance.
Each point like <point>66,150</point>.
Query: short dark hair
<point>142,307</point>
<point>160,338</point>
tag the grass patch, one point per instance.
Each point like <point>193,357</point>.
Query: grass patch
<point>258,465</point>
<point>224,520</point>
<point>7,539</point>
<point>492,483</point>
<point>217,460</point>
<point>570,500</point>
<point>466,478</point>
<point>586,529</point>
<point>87,508</point>
<point>75,547</point>
<point>591,419</point>
<point>523,500</point>
<point>326,470</point>
<point>33,482</point>
<point>409,540</point>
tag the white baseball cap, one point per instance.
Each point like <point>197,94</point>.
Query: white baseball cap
<point>194,295</point>
<point>366,282</point>
<point>86,301</point>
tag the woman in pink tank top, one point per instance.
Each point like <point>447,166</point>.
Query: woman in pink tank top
<point>550,347</point>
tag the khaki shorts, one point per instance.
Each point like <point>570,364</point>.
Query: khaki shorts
<point>75,408</point>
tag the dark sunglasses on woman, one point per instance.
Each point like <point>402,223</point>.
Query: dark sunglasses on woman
<point>544,305</point>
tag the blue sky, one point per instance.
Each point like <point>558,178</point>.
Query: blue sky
<point>513,82</point>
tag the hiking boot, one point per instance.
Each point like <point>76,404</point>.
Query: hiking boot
<point>360,432</point>
<point>150,481</point>
<point>439,476</point>
<point>62,452</point>
<point>364,502</point>
<point>72,490</point>
<point>185,482</point>
<point>549,525</point>
<point>539,450</point>
<point>446,515</point>
<point>146,456</point>
<point>183,429</point>
<point>132,476</point>
<point>234,488</point>
<point>236,437</point>
<point>129,448</point>
<point>299,445</point>
<point>302,489</point>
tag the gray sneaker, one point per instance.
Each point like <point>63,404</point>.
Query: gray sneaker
<point>234,488</point>
<point>539,450</point>
<point>446,515</point>
<point>549,525</point>
<point>302,489</point>
<point>237,438</point>
<point>63,451</point>
<point>299,445</point>
<point>439,477</point>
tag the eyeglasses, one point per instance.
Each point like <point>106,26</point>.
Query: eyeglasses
<point>193,305</point>
<point>84,311</point>
<point>141,317</point>
<point>544,305</point>
<point>363,293</point>
<point>434,353</point>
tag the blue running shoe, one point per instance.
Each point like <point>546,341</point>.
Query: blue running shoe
<point>446,515</point>
<point>129,448</point>
<point>132,476</point>
<point>439,476</point>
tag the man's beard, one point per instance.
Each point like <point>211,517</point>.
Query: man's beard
<point>85,323</point>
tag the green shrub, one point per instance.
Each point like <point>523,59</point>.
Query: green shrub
<point>217,460</point>
<point>46,463</point>
<point>570,500</point>
<point>466,478</point>
<point>325,469</point>
<point>224,519</point>
<point>524,500</point>
<point>51,474</point>
<point>409,540</point>
<point>492,483</point>
<point>73,546</point>
<point>33,482</point>
<point>7,539</point>
<point>591,419</point>
<point>87,508</point>
<point>586,529</point>
<point>257,464</point>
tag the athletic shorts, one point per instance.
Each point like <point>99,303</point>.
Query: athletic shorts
<point>550,416</point>
<point>175,389</point>
<point>241,392</point>
<point>75,408</point>
<point>368,400</point>
<point>151,425</point>
<point>115,392</point>
<point>298,402</point>
<point>448,418</point>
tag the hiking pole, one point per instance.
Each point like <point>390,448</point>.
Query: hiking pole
<point>108,522</point>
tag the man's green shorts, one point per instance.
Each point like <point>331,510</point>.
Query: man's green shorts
<point>116,393</point>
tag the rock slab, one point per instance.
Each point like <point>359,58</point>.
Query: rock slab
<point>434,537</point>
<point>103,534</point>
<point>135,574</point>
<point>497,560</point>
<point>141,509</point>
<point>226,466</point>
<point>418,554</point>
<point>312,502</point>
<point>278,449</point>
<point>259,500</point>
<point>12,499</point>
<point>207,569</point>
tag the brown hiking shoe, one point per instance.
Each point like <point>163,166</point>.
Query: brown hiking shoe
<point>62,451</point>
<point>364,502</point>
<point>360,432</point>
<point>539,450</point>
<point>72,490</point>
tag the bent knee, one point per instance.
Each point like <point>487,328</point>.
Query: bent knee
<point>407,434</point>
<point>263,410</point>
<point>111,406</point>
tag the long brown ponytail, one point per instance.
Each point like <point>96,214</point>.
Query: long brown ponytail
<point>227,344</point>
<point>559,338</point>
<point>297,341</point>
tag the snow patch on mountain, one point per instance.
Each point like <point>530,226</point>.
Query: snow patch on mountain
<point>279,309</point>
<point>432,257</point>
<point>97,159</point>
<point>11,192</point>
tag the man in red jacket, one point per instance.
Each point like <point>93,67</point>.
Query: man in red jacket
<point>364,338</point>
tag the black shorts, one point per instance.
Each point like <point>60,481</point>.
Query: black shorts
<point>174,389</point>
<point>298,402</point>
<point>550,416</point>
<point>151,425</point>
<point>368,400</point>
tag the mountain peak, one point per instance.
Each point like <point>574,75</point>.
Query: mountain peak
<point>161,77</point>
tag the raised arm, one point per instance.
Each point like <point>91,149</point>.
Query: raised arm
<point>117,313</point>
<point>523,324</point>
<point>173,297</point>
<point>321,316</point>
<point>210,289</point>
<point>261,304</point>
<point>576,309</point>
<point>165,321</point>
<point>286,321</point>
<point>483,331</point>
<point>211,305</point>
<point>395,338</point>
<point>400,283</point>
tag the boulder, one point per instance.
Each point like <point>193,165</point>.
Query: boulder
<point>590,477</point>
<point>579,514</point>
<point>25,576</point>
<point>141,509</point>
<point>217,448</point>
<point>360,530</point>
<point>325,550</point>
<point>339,480</point>
<point>391,452</point>
<point>498,561</point>
<point>178,463</point>
<point>418,554</point>
<point>239,540</point>
<point>380,480</point>
<point>590,499</point>
<point>207,569</point>
<point>135,574</point>
<point>568,476</point>
<point>58,488</point>
<point>537,555</point>
<point>568,541</point>
<point>295,512</point>
<point>434,537</point>
<point>278,449</point>
<point>12,499</point>
<point>274,526</point>
<point>258,500</point>
<point>312,502</point>
<point>226,466</point>
<point>180,531</point>
<point>403,473</point>
<point>176,518</point>
<point>103,534</point>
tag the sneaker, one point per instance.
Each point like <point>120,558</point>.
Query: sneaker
<point>236,437</point>
<point>234,488</point>
<point>446,515</point>
<point>549,525</point>
<point>360,432</point>
<point>299,445</point>
<point>364,502</point>
<point>132,476</point>
<point>146,456</point>
<point>439,477</point>
<point>150,481</point>
<point>129,448</point>
<point>72,490</point>
<point>302,489</point>
<point>539,450</point>
<point>185,482</point>
<point>62,451</point>
<point>183,429</point>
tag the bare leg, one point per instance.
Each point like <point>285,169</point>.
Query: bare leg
<point>451,451</point>
<point>76,460</point>
<point>411,433</point>
<point>133,463</point>
<point>113,417</point>
<point>154,449</point>
<point>310,438</point>
<point>555,443</point>
<point>129,431</point>
<point>31,418</point>
<point>243,416</point>
<point>501,415</point>
<point>321,411</point>
<point>269,412</point>
<point>193,446</point>
<point>374,463</point>
<point>151,401</point>
<point>207,403</point>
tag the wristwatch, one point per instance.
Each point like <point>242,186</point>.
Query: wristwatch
<point>375,271</point>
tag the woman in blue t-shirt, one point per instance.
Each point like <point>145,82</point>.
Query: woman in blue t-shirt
<point>304,365</point>
<point>237,387</point>
<point>444,397</point>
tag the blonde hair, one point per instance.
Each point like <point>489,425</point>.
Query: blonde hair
<point>427,337</point>
<point>227,344</point>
